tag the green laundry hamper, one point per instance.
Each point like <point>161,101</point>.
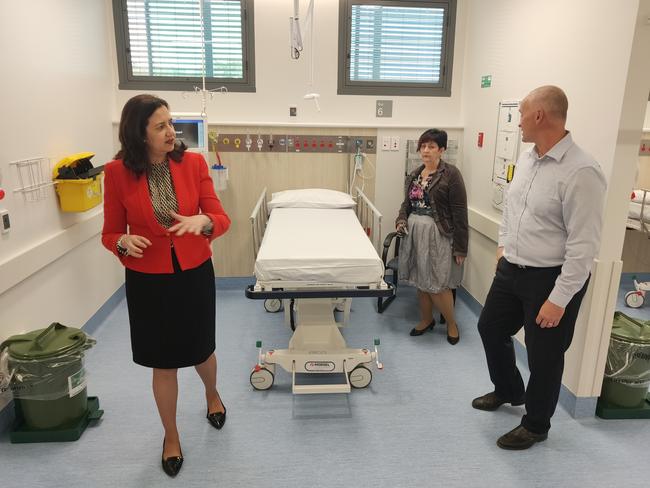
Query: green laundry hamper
<point>627,372</point>
<point>48,380</point>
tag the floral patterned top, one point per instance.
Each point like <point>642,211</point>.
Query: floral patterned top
<point>418,192</point>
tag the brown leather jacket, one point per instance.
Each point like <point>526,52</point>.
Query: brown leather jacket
<point>447,192</point>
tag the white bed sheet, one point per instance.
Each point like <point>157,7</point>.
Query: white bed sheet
<point>634,212</point>
<point>309,245</point>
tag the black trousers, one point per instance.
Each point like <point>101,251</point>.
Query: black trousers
<point>513,302</point>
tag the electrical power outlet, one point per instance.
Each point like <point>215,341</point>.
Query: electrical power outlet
<point>5,223</point>
<point>394,143</point>
<point>385,143</point>
<point>293,111</point>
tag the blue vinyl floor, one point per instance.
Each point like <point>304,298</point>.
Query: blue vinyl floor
<point>412,427</point>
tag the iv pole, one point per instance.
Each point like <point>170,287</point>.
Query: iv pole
<point>296,44</point>
<point>202,90</point>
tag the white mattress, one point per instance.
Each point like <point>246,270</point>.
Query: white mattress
<point>317,246</point>
<point>634,212</point>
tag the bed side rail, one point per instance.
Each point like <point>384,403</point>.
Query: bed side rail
<point>369,217</point>
<point>258,219</point>
<point>642,221</point>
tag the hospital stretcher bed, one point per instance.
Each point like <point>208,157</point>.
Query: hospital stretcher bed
<point>313,260</point>
<point>639,211</point>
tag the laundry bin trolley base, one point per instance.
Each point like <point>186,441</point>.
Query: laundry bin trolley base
<point>71,431</point>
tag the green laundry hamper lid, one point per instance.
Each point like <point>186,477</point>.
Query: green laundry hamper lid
<point>628,329</point>
<point>56,340</point>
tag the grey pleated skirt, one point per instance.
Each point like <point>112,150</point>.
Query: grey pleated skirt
<point>425,257</point>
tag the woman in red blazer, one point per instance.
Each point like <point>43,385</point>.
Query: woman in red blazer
<point>160,215</point>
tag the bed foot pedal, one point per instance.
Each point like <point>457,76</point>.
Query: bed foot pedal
<point>306,383</point>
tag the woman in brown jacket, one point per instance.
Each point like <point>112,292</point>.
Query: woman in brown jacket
<point>433,223</point>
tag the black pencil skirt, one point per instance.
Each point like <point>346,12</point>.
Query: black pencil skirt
<point>172,316</point>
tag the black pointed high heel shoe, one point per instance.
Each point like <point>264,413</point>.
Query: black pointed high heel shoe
<point>453,340</point>
<point>416,332</point>
<point>217,419</point>
<point>172,465</point>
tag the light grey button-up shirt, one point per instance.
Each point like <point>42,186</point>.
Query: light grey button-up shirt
<point>553,214</point>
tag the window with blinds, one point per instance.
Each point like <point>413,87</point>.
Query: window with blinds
<point>171,44</point>
<point>396,47</point>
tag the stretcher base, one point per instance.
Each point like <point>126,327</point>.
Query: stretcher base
<point>336,371</point>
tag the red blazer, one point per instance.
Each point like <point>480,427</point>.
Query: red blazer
<point>127,203</point>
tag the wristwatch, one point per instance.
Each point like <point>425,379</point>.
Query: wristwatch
<point>208,228</point>
<point>121,250</point>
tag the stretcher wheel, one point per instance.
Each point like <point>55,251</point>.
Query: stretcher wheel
<point>262,379</point>
<point>340,306</point>
<point>634,299</point>
<point>273,305</point>
<point>360,377</point>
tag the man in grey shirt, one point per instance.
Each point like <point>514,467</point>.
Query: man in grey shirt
<point>548,239</point>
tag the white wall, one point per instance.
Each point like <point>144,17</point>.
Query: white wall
<point>389,186</point>
<point>57,99</point>
<point>281,81</point>
<point>526,44</point>
<point>73,42</point>
<point>512,42</point>
<point>646,124</point>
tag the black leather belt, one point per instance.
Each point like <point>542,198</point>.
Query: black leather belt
<point>525,266</point>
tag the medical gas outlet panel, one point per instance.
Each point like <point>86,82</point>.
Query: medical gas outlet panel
<point>292,143</point>
<point>506,150</point>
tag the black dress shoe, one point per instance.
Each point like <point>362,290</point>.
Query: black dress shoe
<point>416,332</point>
<point>172,465</point>
<point>453,340</point>
<point>217,419</point>
<point>491,401</point>
<point>519,438</point>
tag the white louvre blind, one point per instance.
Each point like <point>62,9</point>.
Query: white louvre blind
<point>396,44</point>
<point>166,39</point>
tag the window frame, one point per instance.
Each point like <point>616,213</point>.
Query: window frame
<point>396,88</point>
<point>128,81</point>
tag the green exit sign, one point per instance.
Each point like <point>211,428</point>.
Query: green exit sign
<point>486,81</point>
